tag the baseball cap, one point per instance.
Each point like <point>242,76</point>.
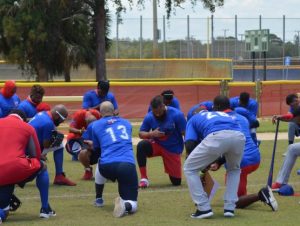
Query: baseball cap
<point>286,190</point>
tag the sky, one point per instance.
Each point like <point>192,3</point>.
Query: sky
<point>176,26</point>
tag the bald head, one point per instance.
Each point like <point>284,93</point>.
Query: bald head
<point>107,109</point>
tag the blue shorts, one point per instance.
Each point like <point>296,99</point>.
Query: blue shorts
<point>126,175</point>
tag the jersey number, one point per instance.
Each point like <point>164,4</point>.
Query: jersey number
<point>210,115</point>
<point>123,135</point>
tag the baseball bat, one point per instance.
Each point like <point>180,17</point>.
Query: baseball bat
<point>270,176</point>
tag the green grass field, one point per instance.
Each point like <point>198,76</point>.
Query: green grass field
<point>161,204</point>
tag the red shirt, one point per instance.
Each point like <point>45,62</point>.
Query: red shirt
<point>19,150</point>
<point>78,122</point>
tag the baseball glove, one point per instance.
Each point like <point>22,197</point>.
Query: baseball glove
<point>56,138</point>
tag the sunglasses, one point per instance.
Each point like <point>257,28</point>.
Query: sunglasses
<point>61,116</point>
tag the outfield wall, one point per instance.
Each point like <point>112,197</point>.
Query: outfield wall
<point>134,97</point>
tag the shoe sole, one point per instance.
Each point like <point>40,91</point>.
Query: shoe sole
<point>119,209</point>
<point>202,216</point>
<point>44,215</point>
<point>228,214</point>
<point>98,205</point>
<point>47,216</point>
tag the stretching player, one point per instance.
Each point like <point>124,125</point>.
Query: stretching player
<point>206,105</point>
<point>292,100</point>
<point>44,124</point>
<point>8,98</point>
<point>93,98</point>
<point>112,137</point>
<point>245,101</point>
<point>250,161</point>
<point>251,106</point>
<point>29,105</point>
<point>20,163</point>
<point>169,99</point>
<point>78,125</point>
<point>219,135</point>
<point>162,130</point>
<point>293,151</point>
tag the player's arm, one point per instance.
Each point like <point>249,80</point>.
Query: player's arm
<point>86,102</point>
<point>190,146</point>
<point>286,118</point>
<point>114,102</point>
<point>33,147</point>
<point>146,131</point>
<point>151,134</point>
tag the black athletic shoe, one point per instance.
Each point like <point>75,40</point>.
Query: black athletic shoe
<point>202,214</point>
<point>266,195</point>
<point>228,213</point>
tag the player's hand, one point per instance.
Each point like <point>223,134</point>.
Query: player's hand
<point>275,118</point>
<point>157,133</point>
<point>89,143</point>
<point>44,158</point>
<point>214,166</point>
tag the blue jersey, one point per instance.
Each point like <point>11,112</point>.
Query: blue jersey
<point>251,154</point>
<point>43,125</point>
<point>247,114</point>
<point>91,99</point>
<point>207,104</point>
<point>205,123</point>
<point>28,107</point>
<point>174,103</point>
<point>88,133</point>
<point>7,104</point>
<point>173,125</point>
<point>113,136</point>
<point>252,104</point>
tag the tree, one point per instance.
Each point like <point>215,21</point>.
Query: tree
<point>46,38</point>
<point>99,15</point>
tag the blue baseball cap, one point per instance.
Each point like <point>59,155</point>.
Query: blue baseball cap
<point>286,190</point>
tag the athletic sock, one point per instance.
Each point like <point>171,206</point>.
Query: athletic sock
<point>99,190</point>
<point>58,160</point>
<point>42,182</point>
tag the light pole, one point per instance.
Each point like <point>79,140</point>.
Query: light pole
<point>298,42</point>
<point>155,42</point>
<point>225,30</point>
<point>241,46</point>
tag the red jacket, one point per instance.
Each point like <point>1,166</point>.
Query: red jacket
<point>19,150</point>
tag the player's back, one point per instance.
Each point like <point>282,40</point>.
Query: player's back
<point>206,122</point>
<point>43,125</point>
<point>27,107</point>
<point>14,136</point>
<point>114,137</point>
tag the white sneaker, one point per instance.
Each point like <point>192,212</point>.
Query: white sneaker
<point>228,213</point>
<point>119,210</point>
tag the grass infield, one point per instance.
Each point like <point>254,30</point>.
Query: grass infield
<point>161,204</point>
